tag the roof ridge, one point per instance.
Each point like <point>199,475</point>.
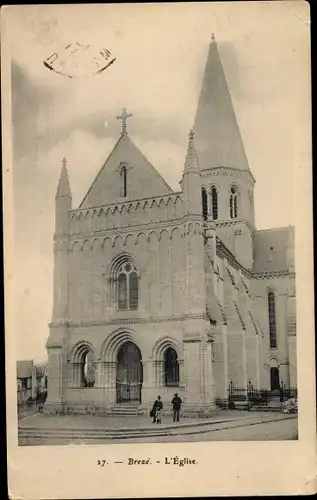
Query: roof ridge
<point>101,169</point>
<point>150,163</point>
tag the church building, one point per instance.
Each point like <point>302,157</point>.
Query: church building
<point>159,291</point>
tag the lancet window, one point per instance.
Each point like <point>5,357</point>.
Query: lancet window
<point>214,202</point>
<point>272,319</point>
<point>233,202</point>
<point>128,287</point>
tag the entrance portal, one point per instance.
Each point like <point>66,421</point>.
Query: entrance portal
<point>275,379</point>
<point>129,374</point>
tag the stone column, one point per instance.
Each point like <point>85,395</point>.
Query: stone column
<point>148,381</point>
<point>158,373</point>
<point>149,387</point>
<point>70,373</point>
<point>99,370</point>
<point>54,402</point>
<point>181,366</point>
<point>257,348</point>
<point>225,361</point>
<point>199,374</point>
<point>109,377</point>
<point>244,360</point>
<point>207,382</point>
<point>292,361</point>
<point>74,374</point>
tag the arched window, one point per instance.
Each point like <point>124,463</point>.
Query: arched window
<point>171,367</point>
<point>214,202</point>
<point>82,370</point>
<point>87,375</point>
<point>204,203</point>
<point>233,202</point>
<point>128,287</point>
<point>123,181</point>
<point>122,291</point>
<point>272,319</point>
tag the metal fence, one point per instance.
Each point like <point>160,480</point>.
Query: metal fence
<point>287,393</point>
<point>129,392</point>
<point>251,394</point>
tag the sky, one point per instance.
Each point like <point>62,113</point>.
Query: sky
<point>160,53</point>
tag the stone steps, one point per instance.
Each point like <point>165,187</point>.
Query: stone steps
<point>29,434</point>
<point>123,433</point>
<point>266,408</point>
<point>125,410</point>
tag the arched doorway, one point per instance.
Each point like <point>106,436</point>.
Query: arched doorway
<point>275,378</point>
<point>129,374</point>
<point>274,374</point>
<point>82,369</point>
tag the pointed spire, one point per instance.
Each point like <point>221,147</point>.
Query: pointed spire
<point>63,189</point>
<point>191,161</point>
<point>218,139</point>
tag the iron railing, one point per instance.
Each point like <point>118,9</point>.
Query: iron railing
<point>251,394</point>
<point>129,392</point>
<point>287,393</point>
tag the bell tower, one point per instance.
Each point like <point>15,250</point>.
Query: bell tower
<point>224,169</point>
<point>56,344</point>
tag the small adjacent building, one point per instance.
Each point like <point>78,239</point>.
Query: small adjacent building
<point>31,380</point>
<point>26,380</point>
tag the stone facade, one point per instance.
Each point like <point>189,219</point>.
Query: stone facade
<point>200,284</point>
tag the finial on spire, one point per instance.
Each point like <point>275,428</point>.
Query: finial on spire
<point>191,161</point>
<point>123,117</point>
<point>213,38</point>
<point>63,189</point>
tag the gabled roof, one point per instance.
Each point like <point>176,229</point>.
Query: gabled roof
<point>217,135</point>
<point>272,249</point>
<point>143,180</point>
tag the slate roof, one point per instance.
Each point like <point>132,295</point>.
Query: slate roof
<point>217,135</point>
<point>280,240</point>
<point>143,180</point>
<point>24,368</point>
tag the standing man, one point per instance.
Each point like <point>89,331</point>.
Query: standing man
<point>176,402</point>
<point>156,411</point>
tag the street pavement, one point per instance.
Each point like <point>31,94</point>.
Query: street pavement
<point>269,431</point>
<point>42,421</point>
<point>225,426</point>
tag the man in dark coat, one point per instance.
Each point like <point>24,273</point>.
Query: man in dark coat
<point>156,410</point>
<point>176,402</point>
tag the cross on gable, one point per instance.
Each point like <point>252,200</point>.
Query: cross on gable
<point>123,117</point>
